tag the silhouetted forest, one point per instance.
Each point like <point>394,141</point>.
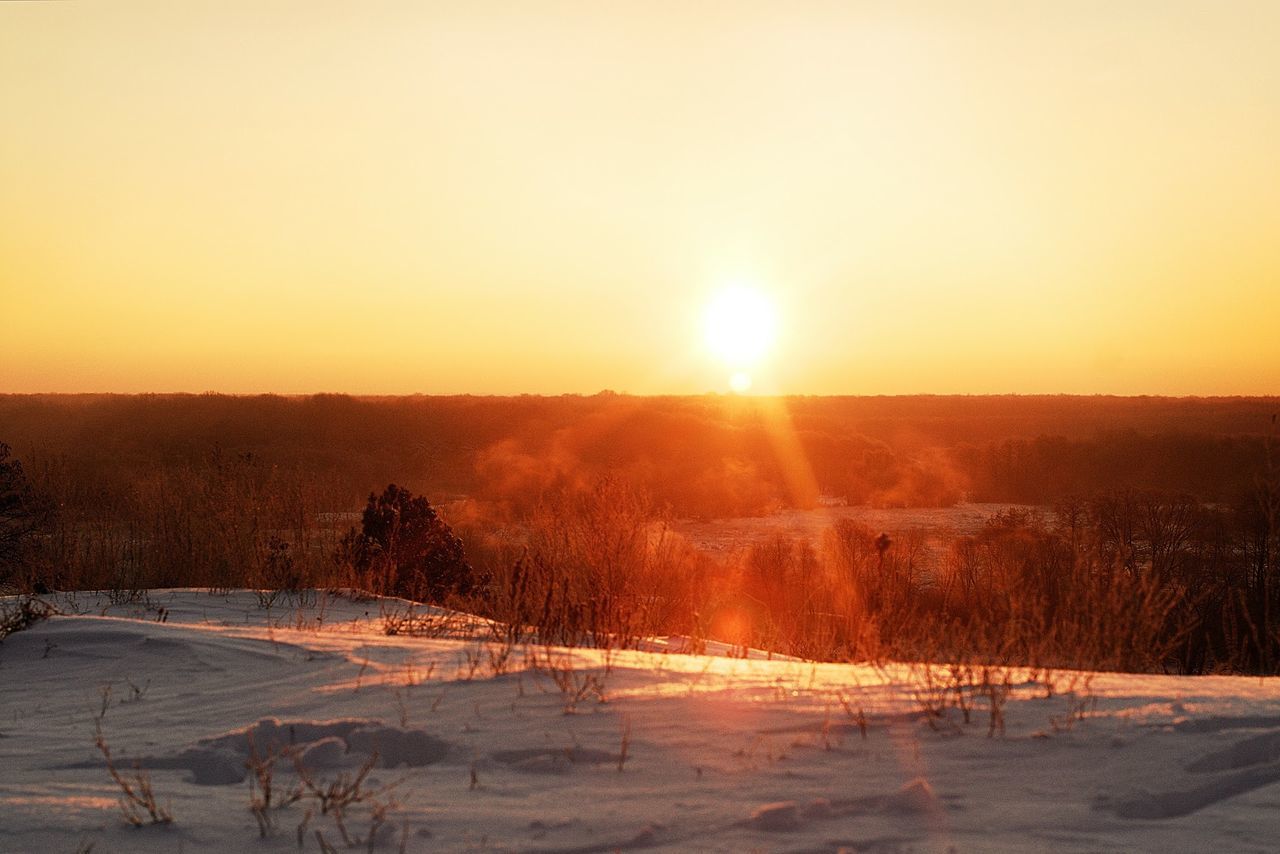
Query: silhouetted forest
<point>1152,545</point>
<point>708,457</point>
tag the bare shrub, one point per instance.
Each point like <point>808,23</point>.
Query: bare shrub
<point>598,567</point>
<point>138,799</point>
<point>574,685</point>
<point>262,793</point>
<point>1079,704</point>
<point>337,798</point>
<point>996,686</point>
<point>23,613</point>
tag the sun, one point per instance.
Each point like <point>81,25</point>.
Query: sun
<point>741,326</point>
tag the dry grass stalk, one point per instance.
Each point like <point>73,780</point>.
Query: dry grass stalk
<point>138,799</point>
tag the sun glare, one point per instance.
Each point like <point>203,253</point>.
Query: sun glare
<point>740,330</point>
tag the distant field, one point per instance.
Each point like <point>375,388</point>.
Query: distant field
<point>723,535</point>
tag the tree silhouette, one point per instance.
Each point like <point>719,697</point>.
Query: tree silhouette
<point>23,514</point>
<point>404,548</point>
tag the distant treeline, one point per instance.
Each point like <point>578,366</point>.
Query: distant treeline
<point>1156,547</point>
<point>711,456</point>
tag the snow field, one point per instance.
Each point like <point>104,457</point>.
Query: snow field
<point>454,744</point>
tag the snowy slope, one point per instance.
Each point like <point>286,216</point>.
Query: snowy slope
<point>721,754</point>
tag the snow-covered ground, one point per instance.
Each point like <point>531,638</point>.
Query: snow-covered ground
<point>939,523</point>
<point>557,750</point>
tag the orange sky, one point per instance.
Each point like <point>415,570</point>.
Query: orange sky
<point>542,197</point>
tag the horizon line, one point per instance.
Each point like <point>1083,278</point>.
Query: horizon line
<point>728,395</point>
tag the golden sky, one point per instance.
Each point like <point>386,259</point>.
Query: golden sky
<point>543,197</point>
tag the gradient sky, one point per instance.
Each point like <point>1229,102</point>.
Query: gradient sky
<point>542,197</point>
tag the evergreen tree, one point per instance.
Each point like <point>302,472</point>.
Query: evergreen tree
<point>406,549</point>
